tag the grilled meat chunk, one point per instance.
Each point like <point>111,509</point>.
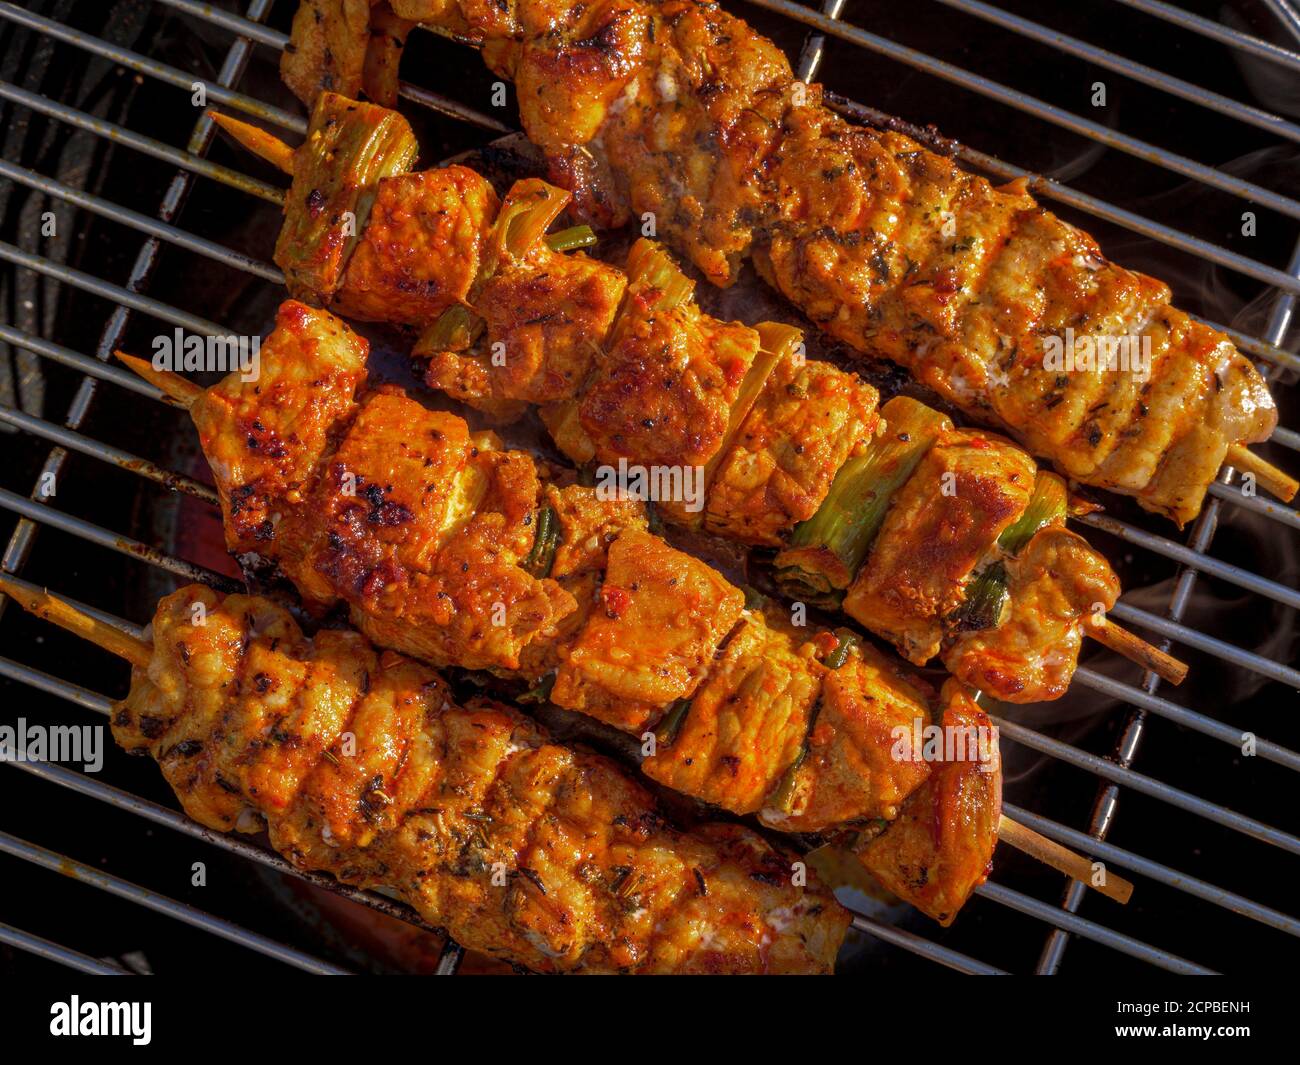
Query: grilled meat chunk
<point>806,423</point>
<point>421,248</point>
<point>537,317</point>
<point>382,504</point>
<point>265,440</point>
<point>940,848</point>
<point>327,48</point>
<point>1055,586</point>
<point>746,723</point>
<point>941,523</point>
<point>889,247</point>
<point>850,771</point>
<point>660,618</point>
<point>360,764</point>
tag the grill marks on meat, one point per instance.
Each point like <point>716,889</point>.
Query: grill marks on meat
<point>889,247</point>
<point>362,766</point>
<point>422,528</point>
<point>941,847</point>
<point>941,524</point>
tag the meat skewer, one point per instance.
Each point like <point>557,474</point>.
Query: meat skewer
<point>681,112</point>
<point>784,447</point>
<point>358,763</point>
<point>746,713</point>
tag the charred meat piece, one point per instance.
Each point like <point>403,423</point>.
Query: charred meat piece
<point>940,848</point>
<point>358,763</point>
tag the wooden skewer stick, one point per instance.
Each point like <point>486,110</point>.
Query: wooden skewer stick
<point>257,141</point>
<point>55,610</point>
<point>1118,639</point>
<point>173,385</point>
<point>1062,859</point>
<point>140,652</point>
<point>1136,649</point>
<point>1276,482</point>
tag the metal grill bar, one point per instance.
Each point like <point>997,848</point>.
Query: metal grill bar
<point>151,900</point>
<point>148,145</point>
<point>123,545</point>
<point>1080,926</point>
<point>143,65</point>
<point>107,290</point>
<point>91,367</point>
<point>142,223</point>
<point>1140,72</point>
<point>1209,28</point>
<point>1152,788</point>
<point>107,453</point>
<point>1113,855</point>
<point>44,948</point>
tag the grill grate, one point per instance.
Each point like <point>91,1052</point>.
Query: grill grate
<point>1060,922</point>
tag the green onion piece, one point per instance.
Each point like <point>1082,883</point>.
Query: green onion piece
<point>986,598</point>
<point>826,551</point>
<point>650,267</point>
<point>671,724</point>
<point>350,147</point>
<point>1047,506</point>
<point>571,238</point>
<point>754,599</point>
<point>526,215</point>
<point>547,538</point>
<point>848,641</point>
<point>539,692</point>
<point>783,795</point>
<point>455,330</point>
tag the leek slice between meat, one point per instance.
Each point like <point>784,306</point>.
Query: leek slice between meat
<point>671,724</point>
<point>1047,506</point>
<point>650,267</point>
<point>350,147</point>
<point>987,594</point>
<point>782,796</point>
<point>826,551</point>
<point>546,539</point>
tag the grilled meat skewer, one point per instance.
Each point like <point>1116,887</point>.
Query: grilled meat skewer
<point>447,547</point>
<point>678,110</point>
<point>358,763</point>
<point>770,722</point>
<point>625,367</point>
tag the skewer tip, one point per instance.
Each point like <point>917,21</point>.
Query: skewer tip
<point>1136,649</point>
<point>173,386</point>
<point>1276,482</point>
<point>54,610</point>
<point>257,140</point>
<point>1064,860</point>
